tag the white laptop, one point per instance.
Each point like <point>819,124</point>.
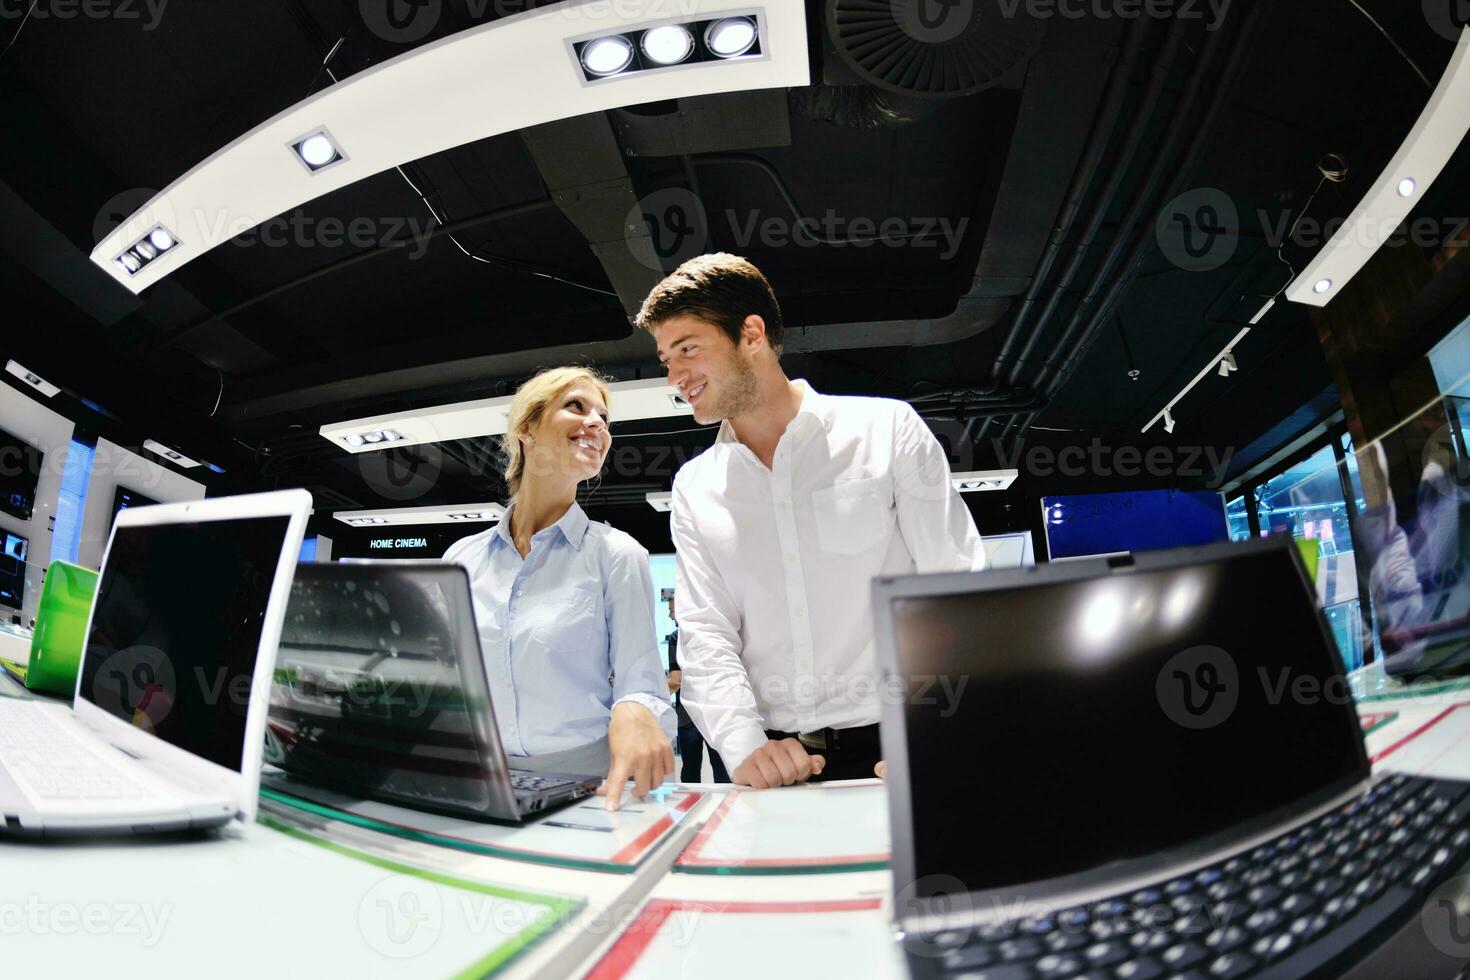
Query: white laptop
<point>172,694</point>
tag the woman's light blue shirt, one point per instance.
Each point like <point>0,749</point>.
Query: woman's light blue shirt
<point>567,632</point>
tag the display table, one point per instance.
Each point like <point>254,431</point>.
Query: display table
<point>15,644</point>
<point>690,884</point>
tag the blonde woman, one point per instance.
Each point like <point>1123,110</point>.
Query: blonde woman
<point>565,605</point>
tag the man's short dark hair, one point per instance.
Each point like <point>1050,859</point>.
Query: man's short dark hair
<point>718,288</point>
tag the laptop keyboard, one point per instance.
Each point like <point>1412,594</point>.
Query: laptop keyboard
<point>50,761</point>
<point>1286,908</point>
<point>529,781</point>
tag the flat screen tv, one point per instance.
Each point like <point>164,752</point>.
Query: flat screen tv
<point>20,469</point>
<point>1141,520</point>
<point>12,569</point>
<point>125,498</point>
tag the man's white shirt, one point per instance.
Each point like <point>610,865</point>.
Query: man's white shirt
<point>775,565</point>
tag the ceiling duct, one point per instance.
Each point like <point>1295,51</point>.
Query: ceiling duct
<point>932,48</point>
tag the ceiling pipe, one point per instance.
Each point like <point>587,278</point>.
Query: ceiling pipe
<point>1083,180</point>
<point>1183,174</point>
<point>1097,144</point>
<point>1132,143</point>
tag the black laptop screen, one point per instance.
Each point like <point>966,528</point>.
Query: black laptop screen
<point>379,690</point>
<point>176,631</point>
<point>1111,718</point>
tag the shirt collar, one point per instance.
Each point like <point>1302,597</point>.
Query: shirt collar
<point>573,526</point>
<point>815,407</point>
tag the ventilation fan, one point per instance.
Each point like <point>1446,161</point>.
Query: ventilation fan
<point>932,48</point>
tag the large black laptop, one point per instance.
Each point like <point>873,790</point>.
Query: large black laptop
<point>381,691</point>
<point>1146,768</point>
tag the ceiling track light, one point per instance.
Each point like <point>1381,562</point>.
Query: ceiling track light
<point>669,45</point>
<point>31,378</point>
<point>155,244</point>
<point>1223,363</point>
<point>1420,159</point>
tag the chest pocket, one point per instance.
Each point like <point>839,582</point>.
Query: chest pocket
<point>854,515</point>
<point>567,621</point>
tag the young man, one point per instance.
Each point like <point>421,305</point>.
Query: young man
<point>780,528</point>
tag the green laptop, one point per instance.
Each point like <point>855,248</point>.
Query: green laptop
<point>61,622</point>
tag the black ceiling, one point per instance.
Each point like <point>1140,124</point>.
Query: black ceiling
<point>239,356</point>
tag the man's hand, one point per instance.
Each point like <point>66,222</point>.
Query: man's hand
<point>881,770</point>
<point>778,764</point>
<point>675,679</point>
<point>640,751</point>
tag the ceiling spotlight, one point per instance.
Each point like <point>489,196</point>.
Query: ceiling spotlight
<point>607,55</point>
<point>317,151</point>
<point>372,437</point>
<point>32,378</point>
<point>146,250</point>
<point>161,239</point>
<point>667,45</point>
<point>129,261</point>
<point>1168,422</point>
<point>1407,187</point>
<point>731,37</point>
<point>353,439</point>
<point>1228,365</point>
<point>1322,286</point>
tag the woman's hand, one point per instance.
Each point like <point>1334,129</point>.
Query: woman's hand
<point>640,750</point>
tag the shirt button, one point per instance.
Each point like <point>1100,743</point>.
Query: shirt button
<point>804,664</point>
<point>790,556</point>
<point>799,612</point>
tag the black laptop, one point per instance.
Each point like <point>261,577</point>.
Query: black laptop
<point>380,691</point>
<point>1153,769</point>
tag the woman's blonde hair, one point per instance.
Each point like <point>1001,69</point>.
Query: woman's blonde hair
<point>529,405</point>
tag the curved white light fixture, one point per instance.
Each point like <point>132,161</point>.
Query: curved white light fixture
<point>647,398</point>
<point>607,55</point>
<point>1430,144</point>
<point>731,37</point>
<point>482,513</point>
<point>667,45</point>
<point>456,90</point>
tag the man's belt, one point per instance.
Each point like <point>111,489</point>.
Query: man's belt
<point>831,739</point>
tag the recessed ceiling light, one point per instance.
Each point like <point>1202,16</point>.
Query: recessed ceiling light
<point>731,36</point>
<point>129,261</point>
<point>984,480</point>
<point>1322,286</point>
<point>161,239</point>
<point>146,250</point>
<point>1407,187</point>
<point>317,151</point>
<point>607,55</point>
<point>667,45</point>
